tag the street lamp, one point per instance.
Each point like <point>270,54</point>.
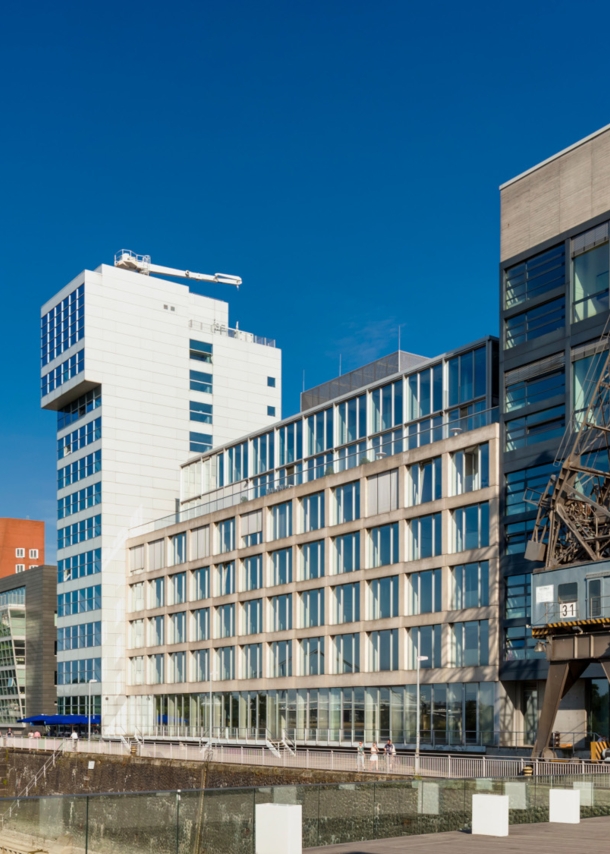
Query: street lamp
<point>420,658</point>
<point>213,675</point>
<point>91,681</point>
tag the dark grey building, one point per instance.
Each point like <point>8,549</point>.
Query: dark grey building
<point>555,259</point>
<point>27,644</point>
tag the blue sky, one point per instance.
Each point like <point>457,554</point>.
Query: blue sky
<point>342,157</point>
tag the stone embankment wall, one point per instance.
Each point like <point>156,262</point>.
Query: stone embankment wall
<point>72,775</point>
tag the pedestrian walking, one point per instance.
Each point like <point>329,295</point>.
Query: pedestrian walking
<point>74,738</point>
<point>360,756</point>
<point>390,753</point>
<point>374,756</point>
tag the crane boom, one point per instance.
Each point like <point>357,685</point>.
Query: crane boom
<point>128,260</point>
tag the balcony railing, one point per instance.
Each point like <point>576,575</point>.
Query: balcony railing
<point>240,334</point>
<point>321,465</point>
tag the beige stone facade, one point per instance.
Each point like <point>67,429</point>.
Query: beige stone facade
<point>397,510</point>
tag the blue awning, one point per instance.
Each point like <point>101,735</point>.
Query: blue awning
<point>57,720</point>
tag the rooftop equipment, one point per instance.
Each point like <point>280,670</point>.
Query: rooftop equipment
<point>128,260</point>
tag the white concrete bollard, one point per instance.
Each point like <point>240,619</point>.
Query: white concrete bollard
<point>490,815</point>
<point>279,829</point>
<point>564,806</point>
<point>428,799</point>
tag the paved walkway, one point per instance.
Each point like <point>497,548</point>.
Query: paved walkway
<point>592,834</point>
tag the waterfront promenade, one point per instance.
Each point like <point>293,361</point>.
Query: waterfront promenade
<point>590,835</point>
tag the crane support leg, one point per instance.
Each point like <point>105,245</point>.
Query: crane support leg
<point>562,675</point>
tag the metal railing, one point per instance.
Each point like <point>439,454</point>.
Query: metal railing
<point>240,334</point>
<point>449,765</point>
<point>319,466</point>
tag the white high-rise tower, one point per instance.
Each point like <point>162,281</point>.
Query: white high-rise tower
<point>141,372</point>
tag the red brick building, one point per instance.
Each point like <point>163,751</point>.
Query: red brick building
<point>21,545</point>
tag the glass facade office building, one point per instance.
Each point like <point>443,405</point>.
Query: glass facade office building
<point>312,563</point>
<point>554,307</point>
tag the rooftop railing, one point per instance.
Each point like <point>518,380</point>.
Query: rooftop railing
<point>240,334</point>
<point>321,465</point>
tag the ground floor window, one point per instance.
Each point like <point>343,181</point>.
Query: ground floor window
<point>450,714</point>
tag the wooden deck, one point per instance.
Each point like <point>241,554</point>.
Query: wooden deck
<point>592,834</point>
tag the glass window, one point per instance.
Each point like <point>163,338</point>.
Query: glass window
<point>201,624</point>
<point>200,442</point>
<point>201,665</point>
<point>225,625</point>
<point>534,323</point>
<point>425,482</point>
<point>425,539</point>
<point>271,410</point>
<point>200,542</point>
<point>591,283</point>
<point>535,390</point>
<point>467,376</point>
<point>252,528</point>
<point>281,520</point>
<point>470,469</point>
<point>235,463</point>
<point>157,593</point>
<point>470,644</point>
<point>156,631</point>
<point>281,658</point>
<point>471,527</point>
<point>517,535</point>
<point>177,549</point>
<point>425,592</point>
<point>383,598</point>
<point>347,502</point>
<point>271,382</point>
<point>201,412</point>
<point>253,570</point>
<point>384,650</point>
<point>518,596</point>
<point>320,432</point>
<point>226,578</point>
<point>347,603</point>
<point>425,641</point>
<point>291,442</point>
<point>200,381</point>
<point>384,545</point>
<point>201,583</point>
<point>382,493</point>
<point>312,605</point>
<point>177,587</point>
<point>136,597</point>
<point>226,536</point>
<point>281,609</point>
<point>201,351</point>
<point>519,644</point>
<point>536,427</point>
<point>253,616</point>
<point>471,585</point>
<point>425,392</point>
<point>282,566</point>
<point>313,559</point>
<point>312,657</point>
<point>535,277</point>
<point>347,552</point>
<point>156,665</point>
<point>177,627</point>
<point>586,374</point>
<point>534,478</point>
<point>226,662</point>
<point>347,653</point>
<point>313,512</point>
<point>387,407</point>
<point>253,661</point>
<point>351,416</point>
<point>263,450</point>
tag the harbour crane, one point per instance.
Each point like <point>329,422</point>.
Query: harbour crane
<point>128,260</point>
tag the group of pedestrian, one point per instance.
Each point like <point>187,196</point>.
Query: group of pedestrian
<point>389,751</point>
